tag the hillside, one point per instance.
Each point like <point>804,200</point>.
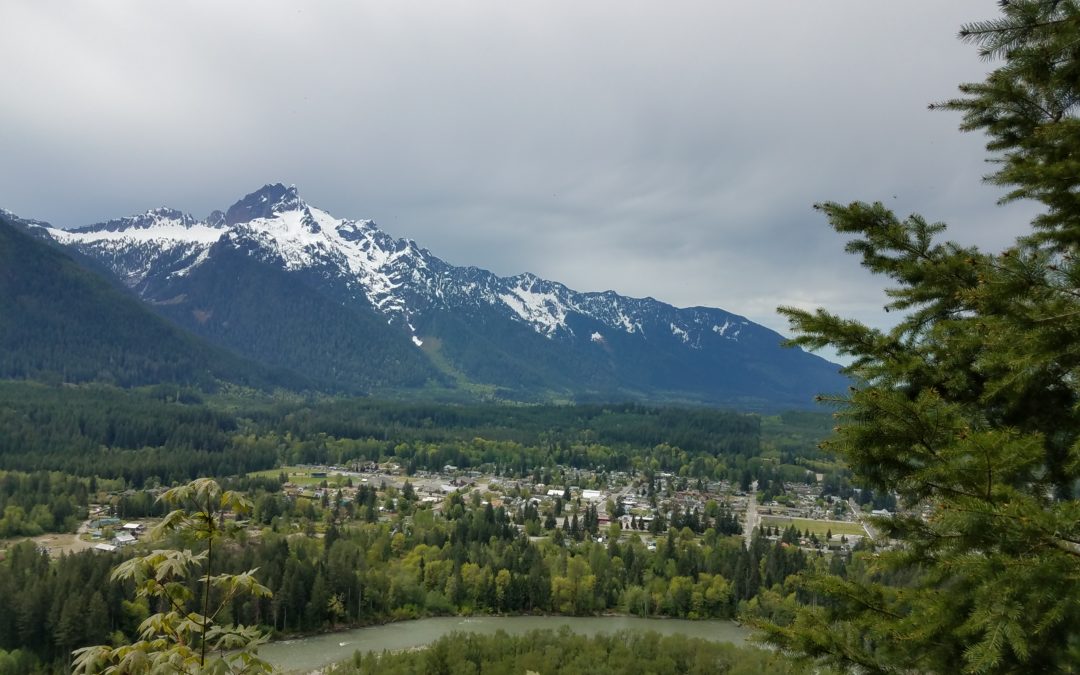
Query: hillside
<point>60,322</point>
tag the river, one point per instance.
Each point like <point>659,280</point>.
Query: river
<point>309,653</point>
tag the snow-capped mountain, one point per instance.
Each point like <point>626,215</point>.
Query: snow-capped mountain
<point>399,279</point>
<point>461,325</point>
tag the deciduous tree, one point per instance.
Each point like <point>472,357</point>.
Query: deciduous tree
<point>186,636</point>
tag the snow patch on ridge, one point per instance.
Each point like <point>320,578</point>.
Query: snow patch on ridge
<point>723,330</point>
<point>544,310</point>
<point>293,235</point>
<point>202,257</point>
<point>628,325</point>
<point>166,231</point>
<point>175,238</point>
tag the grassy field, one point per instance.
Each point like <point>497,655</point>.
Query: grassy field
<point>432,346</point>
<point>818,527</point>
<point>303,477</point>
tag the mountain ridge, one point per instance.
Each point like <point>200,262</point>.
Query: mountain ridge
<point>591,343</point>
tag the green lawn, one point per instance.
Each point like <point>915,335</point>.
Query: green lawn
<point>818,527</point>
<point>303,477</point>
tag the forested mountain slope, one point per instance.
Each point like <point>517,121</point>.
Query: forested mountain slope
<point>61,322</point>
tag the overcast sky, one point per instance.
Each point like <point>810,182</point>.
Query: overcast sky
<point>664,149</point>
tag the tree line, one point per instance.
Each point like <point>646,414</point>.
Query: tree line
<point>472,560</point>
<point>562,651</point>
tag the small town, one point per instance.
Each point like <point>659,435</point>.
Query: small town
<point>822,524</point>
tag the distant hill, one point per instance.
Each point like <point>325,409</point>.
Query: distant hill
<point>60,322</point>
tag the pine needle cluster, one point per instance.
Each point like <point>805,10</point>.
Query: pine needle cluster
<point>969,408</point>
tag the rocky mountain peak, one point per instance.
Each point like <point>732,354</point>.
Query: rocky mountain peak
<point>266,202</point>
<point>152,218</point>
<point>216,219</point>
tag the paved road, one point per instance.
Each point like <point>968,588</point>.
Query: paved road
<point>861,519</point>
<point>752,519</point>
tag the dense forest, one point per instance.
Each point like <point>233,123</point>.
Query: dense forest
<point>623,653</point>
<point>470,561</point>
<point>166,434</point>
<point>383,554</point>
<point>42,502</point>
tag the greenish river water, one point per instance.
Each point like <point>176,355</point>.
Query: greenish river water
<point>309,653</point>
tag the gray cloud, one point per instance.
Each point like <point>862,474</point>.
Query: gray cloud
<point>663,149</point>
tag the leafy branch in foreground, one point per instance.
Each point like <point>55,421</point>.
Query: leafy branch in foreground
<point>177,639</point>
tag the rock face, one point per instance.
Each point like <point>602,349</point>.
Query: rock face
<point>288,284</point>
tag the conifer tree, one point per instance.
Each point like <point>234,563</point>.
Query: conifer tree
<point>969,408</point>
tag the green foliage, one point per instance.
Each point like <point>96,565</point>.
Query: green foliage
<point>1028,107</point>
<point>475,562</point>
<point>969,408</point>
<point>418,563</point>
<point>40,502</point>
<point>18,662</point>
<point>142,435</point>
<point>177,638</point>
<point>95,430</point>
<point>471,561</point>
<point>546,651</point>
<point>430,436</point>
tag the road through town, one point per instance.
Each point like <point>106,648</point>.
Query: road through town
<point>752,518</point>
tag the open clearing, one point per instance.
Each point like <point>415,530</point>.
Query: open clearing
<point>818,527</point>
<point>302,475</point>
<point>56,543</point>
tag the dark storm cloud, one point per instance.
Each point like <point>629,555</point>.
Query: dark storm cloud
<point>663,149</point>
